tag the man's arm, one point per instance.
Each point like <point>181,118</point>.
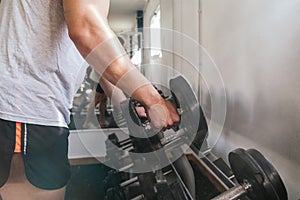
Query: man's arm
<point>87,23</point>
<point>114,93</point>
<point>90,32</point>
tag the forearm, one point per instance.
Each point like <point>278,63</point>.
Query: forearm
<point>114,93</point>
<point>90,32</point>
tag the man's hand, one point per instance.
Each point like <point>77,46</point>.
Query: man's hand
<point>141,112</point>
<point>163,115</point>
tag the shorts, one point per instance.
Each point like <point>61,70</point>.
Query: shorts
<point>44,150</point>
<point>99,89</point>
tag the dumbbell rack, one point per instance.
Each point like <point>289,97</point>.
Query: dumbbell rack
<point>251,176</point>
<point>238,182</point>
<point>127,186</point>
<point>121,184</point>
<point>221,178</point>
<point>255,177</point>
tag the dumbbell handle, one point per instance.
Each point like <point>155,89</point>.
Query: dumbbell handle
<point>124,168</point>
<point>140,197</point>
<point>172,137</point>
<point>234,193</point>
<point>129,182</point>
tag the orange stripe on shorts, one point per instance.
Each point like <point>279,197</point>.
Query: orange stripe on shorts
<point>18,148</point>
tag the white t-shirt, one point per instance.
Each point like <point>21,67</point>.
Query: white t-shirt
<point>40,68</point>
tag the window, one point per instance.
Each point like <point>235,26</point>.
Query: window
<point>156,34</point>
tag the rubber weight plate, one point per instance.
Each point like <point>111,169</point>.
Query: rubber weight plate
<point>271,173</point>
<point>246,169</point>
<point>187,101</point>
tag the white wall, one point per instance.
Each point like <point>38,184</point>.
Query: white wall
<point>256,46</point>
<point>177,33</point>
<point>186,22</point>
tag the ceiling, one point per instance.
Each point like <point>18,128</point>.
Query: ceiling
<point>122,14</point>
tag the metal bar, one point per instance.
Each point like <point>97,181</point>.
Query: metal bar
<point>213,178</point>
<point>127,146</point>
<point>129,182</point>
<point>165,174</point>
<point>124,141</point>
<point>218,172</point>
<point>231,194</point>
<point>140,197</point>
<point>169,138</point>
<point>126,167</point>
<point>182,183</point>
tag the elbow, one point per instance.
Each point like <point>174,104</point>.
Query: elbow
<point>88,25</point>
<point>87,35</point>
<point>81,37</point>
<point>75,35</point>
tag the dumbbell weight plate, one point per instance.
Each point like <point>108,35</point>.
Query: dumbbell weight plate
<point>192,118</point>
<point>247,169</point>
<point>184,98</point>
<point>271,173</point>
<point>148,145</point>
<point>187,101</point>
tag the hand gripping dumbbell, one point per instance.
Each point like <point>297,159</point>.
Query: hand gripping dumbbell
<point>257,177</point>
<point>192,128</point>
<point>155,145</point>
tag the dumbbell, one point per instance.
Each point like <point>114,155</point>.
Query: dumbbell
<point>115,150</point>
<point>143,140</point>
<point>154,186</point>
<point>192,120</point>
<point>113,138</point>
<point>257,177</point>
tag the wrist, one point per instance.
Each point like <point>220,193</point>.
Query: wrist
<point>147,95</point>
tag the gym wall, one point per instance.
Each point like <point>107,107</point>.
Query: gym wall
<point>178,29</point>
<point>256,47</point>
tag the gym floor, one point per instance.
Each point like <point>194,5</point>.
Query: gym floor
<point>87,183</point>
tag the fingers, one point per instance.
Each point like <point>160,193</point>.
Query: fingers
<point>141,112</point>
<point>158,117</point>
<point>174,117</point>
<point>163,116</point>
